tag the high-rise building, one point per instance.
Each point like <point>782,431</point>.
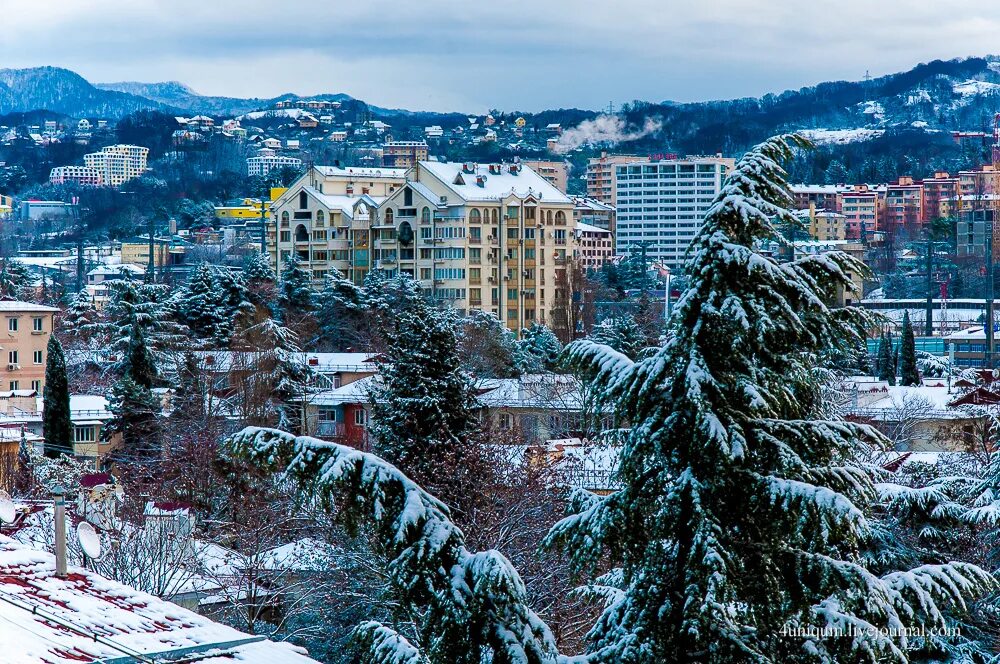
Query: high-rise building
<point>118,164</point>
<point>555,173</point>
<point>601,175</point>
<point>860,205</point>
<point>904,204</point>
<point>661,204</point>
<point>403,154</point>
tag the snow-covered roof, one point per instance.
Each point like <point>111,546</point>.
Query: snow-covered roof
<point>549,391</point>
<point>87,618</point>
<point>352,393</point>
<point>342,202</point>
<point>362,172</point>
<point>18,306</point>
<point>306,554</point>
<point>588,228</point>
<point>496,185</point>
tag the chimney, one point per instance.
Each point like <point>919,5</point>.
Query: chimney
<point>59,505</point>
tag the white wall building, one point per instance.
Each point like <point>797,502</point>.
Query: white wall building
<point>264,164</point>
<point>118,164</point>
<point>662,203</point>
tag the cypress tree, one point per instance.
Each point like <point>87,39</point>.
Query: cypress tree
<point>894,369</point>
<point>138,364</point>
<point>883,359</point>
<point>909,374</point>
<point>57,425</point>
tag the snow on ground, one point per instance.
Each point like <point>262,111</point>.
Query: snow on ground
<point>919,124</point>
<point>293,113</point>
<point>918,97</point>
<point>840,136</point>
<point>874,109</point>
<point>974,88</point>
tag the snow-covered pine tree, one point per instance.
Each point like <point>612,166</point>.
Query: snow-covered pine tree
<point>538,349</point>
<point>235,297</point>
<point>908,372</point>
<point>737,529</point>
<point>488,347</point>
<point>296,286</point>
<point>57,426</point>
<point>422,403</point>
<point>621,333</point>
<point>201,306</point>
<point>79,318</point>
<point>257,269</point>
<point>135,415</point>
<point>15,280</point>
<point>341,314</point>
<point>467,607</point>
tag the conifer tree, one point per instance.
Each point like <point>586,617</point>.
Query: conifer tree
<point>77,323</point>
<point>138,363</point>
<point>884,357</point>
<point>488,347</point>
<point>57,426</point>
<point>741,512</point>
<point>201,307</point>
<point>15,280</point>
<point>257,269</point>
<point>296,285</point>
<point>538,349</point>
<point>908,372</point>
<point>622,333</point>
<point>135,415</point>
<point>894,367</point>
<point>422,404</point>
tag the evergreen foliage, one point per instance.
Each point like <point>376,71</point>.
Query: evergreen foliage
<point>538,349</point>
<point>422,403</point>
<point>488,347</point>
<point>57,425</point>
<point>884,358</point>
<point>296,286</point>
<point>908,372</point>
<point>80,316</point>
<point>741,513</point>
<point>621,333</point>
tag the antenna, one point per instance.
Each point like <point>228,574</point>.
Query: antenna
<point>7,511</point>
<point>89,540</point>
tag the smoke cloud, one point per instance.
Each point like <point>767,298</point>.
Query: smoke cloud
<point>604,129</point>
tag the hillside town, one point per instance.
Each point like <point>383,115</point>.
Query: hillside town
<point>321,379</point>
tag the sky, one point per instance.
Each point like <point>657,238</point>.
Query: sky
<point>468,56</point>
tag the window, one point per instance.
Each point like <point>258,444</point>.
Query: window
<point>12,324</point>
<point>425,215</point>
<point>327,415</point>
<point>320,218</point>
<point>303,200</point>
<point>36,324</point>
<point>14,385</point>
<point>84,434</point>
<point>361,417</point>
<point>284,219</point>
<point>12,357</point>
<point>36,385</point>
<point>475,217</point>
<point>37,357</point>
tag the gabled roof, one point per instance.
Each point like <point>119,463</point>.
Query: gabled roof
<point>86,618</point>
<point>495,186</point>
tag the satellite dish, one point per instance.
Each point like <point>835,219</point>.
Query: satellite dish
<point>7,511</point>
<point>89,540</point>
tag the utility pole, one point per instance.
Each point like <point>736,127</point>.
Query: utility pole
<point>988,325</point>
<point>79,245</point>
<point>151,263</point>
<point>929,324</point>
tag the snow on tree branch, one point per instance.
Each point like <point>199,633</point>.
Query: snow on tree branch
<point>468,601</point>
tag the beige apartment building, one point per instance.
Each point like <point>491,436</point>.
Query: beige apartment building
<point>555,173</point>
<point>494,237</point>
<point>27,327</point>
<point>403,154</point>
<point>323,218</point>
<point>594,246</point>
<point>601,183</point>
<point>117,164</point>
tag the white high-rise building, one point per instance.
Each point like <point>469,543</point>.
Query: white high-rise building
<point>117,164</point>
<point>661,204</point>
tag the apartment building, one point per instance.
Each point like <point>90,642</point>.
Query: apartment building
<point>494,237</point>
<point>555,173</point>
<point>860,207</point>
<point>826,226</point>
<point>403,154</point>
<point>6,206</point>
<point>261,165</point>
<point>594,246</point>
<point>904,204</point>
<point>661,203</point>
<point>324,218</point>
<point>593,212</point>
<point>84,175</point>
<point>601,173</point>
<point>821,196</point>
<point>27,327</point>
<point>118,164</point>
<point>937,189</point>
<point>166,251</point>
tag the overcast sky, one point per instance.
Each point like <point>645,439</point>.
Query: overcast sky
<point>509,54</point>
